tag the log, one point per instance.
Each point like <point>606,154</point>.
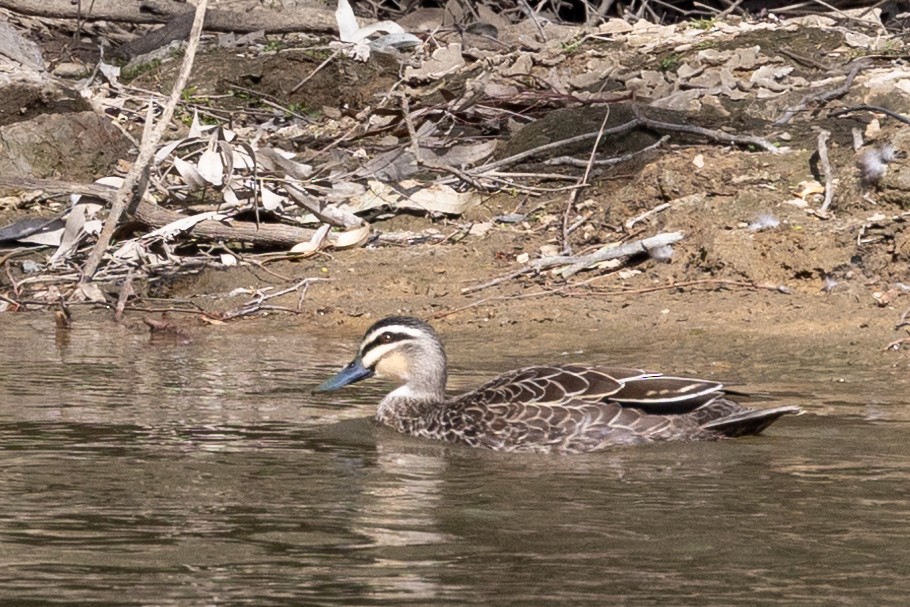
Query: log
<point>316,18</point>
<point>266,235</point>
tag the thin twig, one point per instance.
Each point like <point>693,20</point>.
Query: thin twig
<point>515,158</point>
<point>822,97</point>
<point>497,281</point>
<point>826,169</point>
<point>583,180</point>
<point>744,140</point>
<point>577,162</point>
<point>314,72</point>
<point>872,108</point>
<point>897,344</point>
<point>409,123</point>
<point>532,15</point>
<point>12,281</point>
<point>630,223</point>
<point>804,60</point>
<point>678,285</point>
<point>125,291</point>
<point>256,304</point>
<point>902,322</point>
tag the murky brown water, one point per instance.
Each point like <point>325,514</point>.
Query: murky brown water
<point>153,473</point>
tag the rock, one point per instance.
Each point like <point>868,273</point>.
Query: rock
<point>73,145</point>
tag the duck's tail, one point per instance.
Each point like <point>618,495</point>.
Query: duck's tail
<point>749,422</point>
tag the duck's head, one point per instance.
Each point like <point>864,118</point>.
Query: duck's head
<point>402,348</point>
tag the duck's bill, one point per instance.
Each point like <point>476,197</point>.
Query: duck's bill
<point>353,372</point>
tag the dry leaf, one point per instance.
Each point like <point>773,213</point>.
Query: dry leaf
<point>350,238</point>
<point>444,61</point>
<point>314,243</point>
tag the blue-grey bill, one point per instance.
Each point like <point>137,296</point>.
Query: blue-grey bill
<point>353,372</point>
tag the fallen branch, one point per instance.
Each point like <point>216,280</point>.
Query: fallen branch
<point>316,18</point>
<point>630,223</point>
<point>578,263</point>
<point>275,235</point>
<point>723,282</point>
<point>571,290</point>
<point>577,162</point>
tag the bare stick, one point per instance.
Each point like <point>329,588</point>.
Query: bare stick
<point>902,322</point>
<point>125,291</point>
<point>826,168</point>
<point>409,123</point>
<point>822,97</point>
<point>316,71</point>
<point>622,128</point>
<point>583,181</point>
<point>497,281</point>
<point>872,108</point>
<point>897,344</point>
<point>724,282</point>
<point>568,160</point>
<point>709,133</point>
<point>580,262</point>
<point>631,222</point>
<point>532,15</point>
<point>134,185</point>
<point>629,248</point>
<point>624,250</point>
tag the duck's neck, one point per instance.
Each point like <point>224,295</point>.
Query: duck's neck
<point>407,405</point>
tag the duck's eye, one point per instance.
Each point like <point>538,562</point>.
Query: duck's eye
<point>385,338</point>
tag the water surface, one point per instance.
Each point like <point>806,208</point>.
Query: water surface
<point>151,472</point>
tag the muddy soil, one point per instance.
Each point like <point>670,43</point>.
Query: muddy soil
<point>813,276</point>
<point>836,282</point>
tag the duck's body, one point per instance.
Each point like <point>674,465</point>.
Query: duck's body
<point>566,408</point>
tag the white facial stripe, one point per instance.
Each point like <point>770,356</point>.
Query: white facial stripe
<point>372,357</point>
<point>400,329</point>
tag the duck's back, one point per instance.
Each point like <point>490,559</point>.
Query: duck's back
<point>575,409</point>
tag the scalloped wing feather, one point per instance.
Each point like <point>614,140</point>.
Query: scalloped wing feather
<point>553,385</point>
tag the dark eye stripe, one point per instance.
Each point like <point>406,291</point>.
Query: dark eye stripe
<point>387,337</point>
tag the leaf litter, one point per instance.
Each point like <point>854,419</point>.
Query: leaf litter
<point>450,130</point>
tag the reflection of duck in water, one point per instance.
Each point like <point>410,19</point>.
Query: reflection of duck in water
<point>566,408</point>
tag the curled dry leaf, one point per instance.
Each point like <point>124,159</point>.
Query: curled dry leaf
<point>313,244</point>
<point>350,238</point>
<point>278,160</point>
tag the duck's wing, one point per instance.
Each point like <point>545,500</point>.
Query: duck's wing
<point>554,385</point>
<point>663,395</point>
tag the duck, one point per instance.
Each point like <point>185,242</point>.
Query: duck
<point>565,408</point>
